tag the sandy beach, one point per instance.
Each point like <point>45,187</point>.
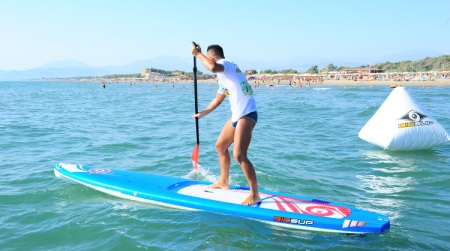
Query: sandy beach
<point>436,82</point>
<point>362,77</point>
<point>272,80</point>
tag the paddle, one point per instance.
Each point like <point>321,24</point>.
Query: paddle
<point>196,148</point>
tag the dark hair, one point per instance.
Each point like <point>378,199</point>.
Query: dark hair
<point>217,51</point>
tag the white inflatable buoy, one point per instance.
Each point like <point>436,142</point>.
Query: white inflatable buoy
<point>402,124</point>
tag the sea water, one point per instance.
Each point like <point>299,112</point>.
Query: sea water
<point>305,143</point>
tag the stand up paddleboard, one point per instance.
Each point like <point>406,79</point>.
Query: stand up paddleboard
<point>279,209</point>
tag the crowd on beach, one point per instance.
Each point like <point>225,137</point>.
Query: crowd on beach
<point>337,76</point>
<point>349,78</point>
<point>406,76</point>
<point>295,80</point>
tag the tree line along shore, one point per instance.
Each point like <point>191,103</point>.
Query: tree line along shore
<point>430,71</point>
<point>354,77</point>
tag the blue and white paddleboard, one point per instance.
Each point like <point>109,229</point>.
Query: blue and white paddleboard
<point>279,209</point>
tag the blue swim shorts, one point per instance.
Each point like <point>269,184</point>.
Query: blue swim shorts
<point>252,115</point>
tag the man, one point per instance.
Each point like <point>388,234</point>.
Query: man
<point>238,129</point>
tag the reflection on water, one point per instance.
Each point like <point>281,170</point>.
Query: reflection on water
<point>390,176</point>
<point>390,158</point>
<point>385,185</point>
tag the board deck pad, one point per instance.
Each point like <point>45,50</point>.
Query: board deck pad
<point>268,201</point>
<point>285,210</point>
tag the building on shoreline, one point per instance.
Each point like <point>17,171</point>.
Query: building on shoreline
<point>148,73</point>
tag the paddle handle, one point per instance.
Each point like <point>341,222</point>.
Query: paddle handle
<point>196,97</point>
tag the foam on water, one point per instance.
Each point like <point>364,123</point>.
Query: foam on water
<point>202,173</point>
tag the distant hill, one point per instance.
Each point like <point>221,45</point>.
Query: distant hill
<point>73,68</point>
<point>65,64</point>
<point>38,73</point>
<point>441,63</point>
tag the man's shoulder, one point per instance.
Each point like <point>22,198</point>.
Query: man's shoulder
<point>224,61</point>
<point>228,64</point>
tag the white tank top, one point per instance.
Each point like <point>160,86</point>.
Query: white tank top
<point>232,82</point>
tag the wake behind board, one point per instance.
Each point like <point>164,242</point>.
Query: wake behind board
<point>279,209</point>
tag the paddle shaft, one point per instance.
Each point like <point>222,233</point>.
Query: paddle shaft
<point>196,98</point>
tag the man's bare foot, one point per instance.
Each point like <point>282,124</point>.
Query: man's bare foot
<point>251,200</point>
<point>220,185</point>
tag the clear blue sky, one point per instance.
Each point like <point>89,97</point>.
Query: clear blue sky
<point>105,33</point>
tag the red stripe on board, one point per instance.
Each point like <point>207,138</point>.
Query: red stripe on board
<point>342,210</point>
<point>280,207</point>
<point>290,204</point>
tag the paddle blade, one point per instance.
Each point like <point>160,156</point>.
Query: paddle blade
<point>195,157</point>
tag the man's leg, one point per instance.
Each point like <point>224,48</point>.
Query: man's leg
<point>224,141</point>
<point>242,138</point>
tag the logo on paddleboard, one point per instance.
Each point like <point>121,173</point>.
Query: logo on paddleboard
<point>414,118</point>
<point>292,220</point>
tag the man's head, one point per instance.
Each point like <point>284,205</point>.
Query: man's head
<point>215,51</point>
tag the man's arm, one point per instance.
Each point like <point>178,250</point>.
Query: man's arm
<point>212,106</point>
<point>209,63</point>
